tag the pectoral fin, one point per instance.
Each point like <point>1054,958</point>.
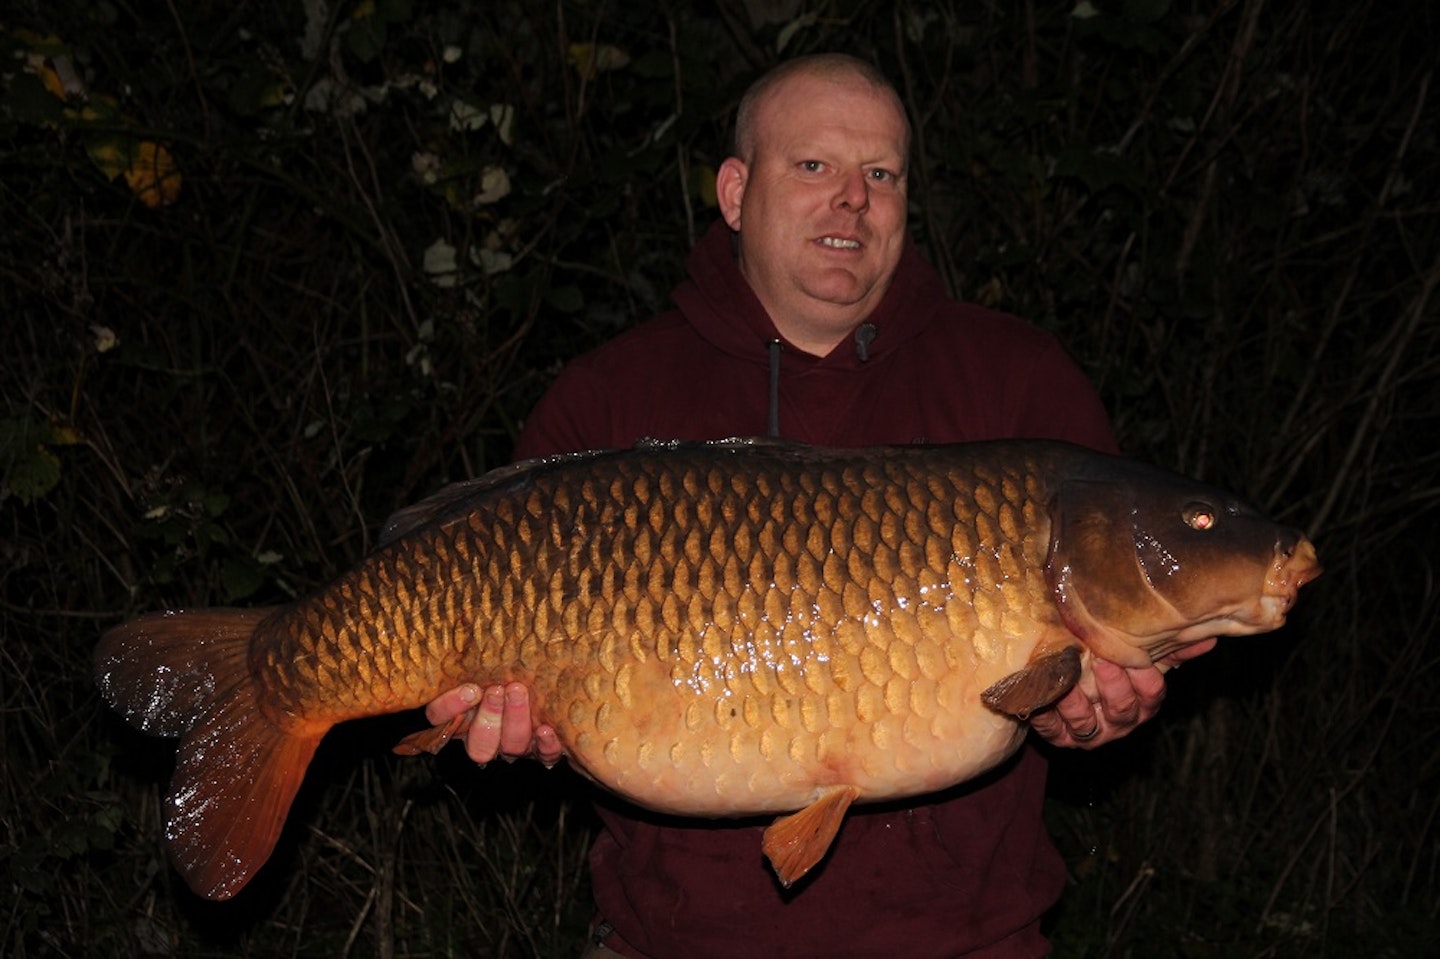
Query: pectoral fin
<point>795,843</point>
<point>1045,678</point>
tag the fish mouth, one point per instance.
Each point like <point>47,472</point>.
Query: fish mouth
<point>1296,563</point>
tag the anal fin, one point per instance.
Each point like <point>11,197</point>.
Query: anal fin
<point>795,843</point>
<point>1045,678</point>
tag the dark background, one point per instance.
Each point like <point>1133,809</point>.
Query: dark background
<point>389,222</point>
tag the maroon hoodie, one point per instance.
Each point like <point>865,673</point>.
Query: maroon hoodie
<point>967,872</point>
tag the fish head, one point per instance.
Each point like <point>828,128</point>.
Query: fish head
<point>1143,562</point>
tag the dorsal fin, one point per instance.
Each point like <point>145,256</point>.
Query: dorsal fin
<point>450,501</point>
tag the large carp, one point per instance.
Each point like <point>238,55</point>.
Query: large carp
<point>714,629</point>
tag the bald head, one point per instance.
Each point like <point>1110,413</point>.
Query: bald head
<point>835,67</point>
<point>816,192</point>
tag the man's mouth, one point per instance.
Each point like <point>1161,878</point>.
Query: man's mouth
<point>839,243</point>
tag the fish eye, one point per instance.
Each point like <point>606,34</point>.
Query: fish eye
<point>1199,516</point>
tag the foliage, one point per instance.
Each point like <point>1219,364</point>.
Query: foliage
<point>271,270</point>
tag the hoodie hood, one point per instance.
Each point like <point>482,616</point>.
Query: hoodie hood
<point>719,302</point>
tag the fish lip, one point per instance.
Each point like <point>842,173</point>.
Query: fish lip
<point>1293,567</point>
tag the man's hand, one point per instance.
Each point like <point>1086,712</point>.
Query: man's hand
<point>499,724</point>
<point>1122,698</point>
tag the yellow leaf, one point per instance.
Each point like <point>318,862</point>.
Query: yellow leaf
<point>47,44</point>
<point>111,155</point>
<point>992,294</point>
<point>588,59</point>
<point>703,176</point>
<point>48,58</point>
<point>98,109</point>
<point>63,435</point>
<point>37,64</point>
<point>152,176</point>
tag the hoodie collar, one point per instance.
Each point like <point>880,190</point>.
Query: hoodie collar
<point>718,301</point>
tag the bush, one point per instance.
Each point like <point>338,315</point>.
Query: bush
<point>272,270</point>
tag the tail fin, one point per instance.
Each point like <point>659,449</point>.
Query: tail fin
<point>187,674</point>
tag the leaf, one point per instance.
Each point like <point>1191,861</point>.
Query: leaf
<point>702,178</point>
<point>240,577</point>
<point>111,155</point>
<point>503,116</point>
<point>590,59</point>
<point>494,261</point>
<point>58,434</point>
<point>27,100</point>
<point>105,338</point>
<point>30,469</point>
<point>439,263</point>
<point>395,11</point>
<point>152,176</point>
<point>793,27</point>
<point>494,186</point>
<point>467,117</point>
<point>367,34</point>
<point>34,475</point>
<point>565,299</point>
<point>1146,11</point>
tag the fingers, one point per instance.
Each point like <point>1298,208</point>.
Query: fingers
<point>499,725</point>
<point>1128,697</point>
<point>503,727</point>
<point>1123,699</point>
<point>547,745</point>
<point>1073,721</point>
<point>452,703</point>
<point>517,733</point>
<point>482,739</point>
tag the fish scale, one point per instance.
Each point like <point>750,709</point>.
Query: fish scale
<point>713,630</point>
<point>559,592</point>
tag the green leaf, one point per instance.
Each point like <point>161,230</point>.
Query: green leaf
<point>366,38</point>
<point>30,469</point>
<point>394,11</point>
<point>215,503</point>
<point>566,299</point>
<point>27,100</point>
<point>240,577</point>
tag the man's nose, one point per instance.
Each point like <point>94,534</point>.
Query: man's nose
<point>853,193</point>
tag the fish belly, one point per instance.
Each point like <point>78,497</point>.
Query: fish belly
<point>717,638</point>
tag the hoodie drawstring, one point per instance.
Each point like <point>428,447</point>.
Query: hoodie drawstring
<point>774,422</point>
<point>864,335</point>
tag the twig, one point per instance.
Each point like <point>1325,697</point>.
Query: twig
<point>1361,434</point>
<point>1301,398</point>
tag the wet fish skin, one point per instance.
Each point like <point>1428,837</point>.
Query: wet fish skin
<point>713,629</point>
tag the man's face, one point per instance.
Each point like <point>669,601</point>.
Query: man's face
<point>820,206</point>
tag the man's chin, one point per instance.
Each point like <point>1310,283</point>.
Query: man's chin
<point>840,288</point>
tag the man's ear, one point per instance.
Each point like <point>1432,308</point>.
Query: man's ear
<point>730,189</point>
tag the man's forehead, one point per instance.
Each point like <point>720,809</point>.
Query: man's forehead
<point>843,111</point>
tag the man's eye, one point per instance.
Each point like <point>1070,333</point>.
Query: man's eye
<point>881,175</point>
<point>811,166</point>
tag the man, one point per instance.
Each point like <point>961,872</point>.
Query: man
<point>809,313</point>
